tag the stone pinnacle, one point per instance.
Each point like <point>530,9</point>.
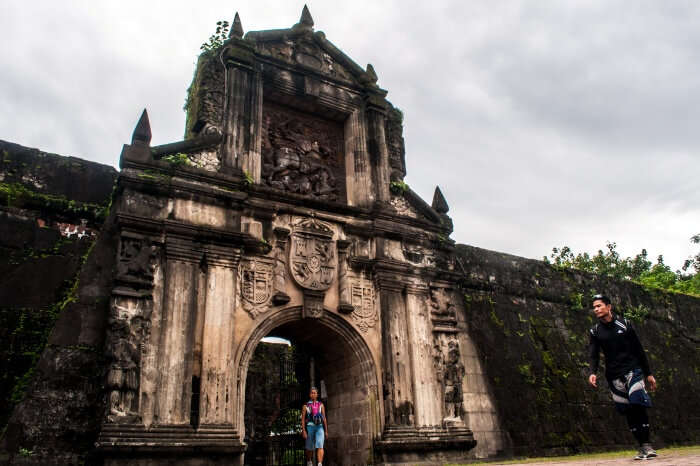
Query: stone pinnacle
<point>236,28</point>
<point>306,18</point>
<point>371,74</point>
<point>439,203</point>
<point>142,132</point>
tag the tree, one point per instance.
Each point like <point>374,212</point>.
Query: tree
<point>638,269</point>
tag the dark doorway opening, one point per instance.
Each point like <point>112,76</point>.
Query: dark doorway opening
<point>277,386</point>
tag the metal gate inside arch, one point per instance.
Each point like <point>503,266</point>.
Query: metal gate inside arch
<point>280,443</point>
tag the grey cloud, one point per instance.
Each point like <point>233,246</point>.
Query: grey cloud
<point>513,108</point>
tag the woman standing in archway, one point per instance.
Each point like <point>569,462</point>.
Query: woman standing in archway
<point>314,427</point>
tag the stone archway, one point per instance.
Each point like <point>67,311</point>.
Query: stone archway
<point>349,372</point>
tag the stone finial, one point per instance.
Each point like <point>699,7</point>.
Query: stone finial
<point>306,18</point>
<point>236,28</point>
<point>371,74</point>
<point>439,203</point>
<point>142,132</point>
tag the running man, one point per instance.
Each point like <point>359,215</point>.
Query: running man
<point>626,369</point>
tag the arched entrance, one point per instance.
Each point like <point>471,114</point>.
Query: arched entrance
<point>329,353</point>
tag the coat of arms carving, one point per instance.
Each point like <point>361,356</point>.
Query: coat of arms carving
<point>364,313</point>
<point>312,255</point>
<point>255,278</point>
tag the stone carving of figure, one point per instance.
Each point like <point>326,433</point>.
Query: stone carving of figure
<point>453,375</point>
<point>126,344</point>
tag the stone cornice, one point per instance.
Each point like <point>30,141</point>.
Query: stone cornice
<point>174,228</point>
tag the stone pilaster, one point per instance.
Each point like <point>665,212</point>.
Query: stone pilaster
<point>243,113</point>
<point>217,400</point>
<point>175,357</point>
<point>358,168</point>
<point>375,111</point>
<point>396,349</point>
<point>428,403</point>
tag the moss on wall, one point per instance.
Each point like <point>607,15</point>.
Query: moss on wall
<point>530,323</point>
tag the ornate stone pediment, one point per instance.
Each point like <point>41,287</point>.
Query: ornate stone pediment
<point>306,51</point>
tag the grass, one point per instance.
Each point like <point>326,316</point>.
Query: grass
<point>690,450</point>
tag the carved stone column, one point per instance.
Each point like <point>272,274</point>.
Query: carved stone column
<point>217,400</point>
<point>345,305</point>
<point>280,296</point>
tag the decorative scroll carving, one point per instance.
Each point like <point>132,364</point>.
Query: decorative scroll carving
<point>255,278</point>
<point>364,311</point>
<point>137,261</point>
<point>280,297</point>
<point>312,257</point>
<point>129,327</point>
<point>302,153</point>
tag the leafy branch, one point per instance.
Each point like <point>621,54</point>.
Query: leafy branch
<point>217,39</point>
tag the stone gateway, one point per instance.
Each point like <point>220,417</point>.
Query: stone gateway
<point>284,212</point>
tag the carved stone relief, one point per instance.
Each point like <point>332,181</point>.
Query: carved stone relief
<point>256,279</point>
<point>402,207</point>
<point>312,256</point>
<point>206,159</point>
<point>206,99</point>
<point>418,255</point>
<point>395,144</point>
<point>448,362</point>
<point>137,261</point>
<point>129,327</point>
<point>305,51</point>
<point>450,372</point>
<point>364,312</point>
<point>302,153</point>
<point>312,262</point>
<point>442,310</point>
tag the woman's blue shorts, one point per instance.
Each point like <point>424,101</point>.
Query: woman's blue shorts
<point>314,436</point>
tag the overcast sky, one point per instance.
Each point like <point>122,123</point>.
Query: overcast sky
<point>544,123</point>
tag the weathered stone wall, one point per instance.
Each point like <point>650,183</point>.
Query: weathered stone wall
<point>51,208</point>
<point>530,322</point>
